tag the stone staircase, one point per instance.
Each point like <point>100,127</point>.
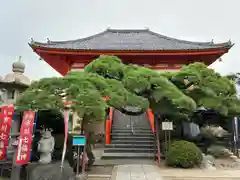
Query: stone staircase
<point>99,177</point>
<point>131,138</point>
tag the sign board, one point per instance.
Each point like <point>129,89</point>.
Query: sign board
<point>167,126</point>
<point>79,141</point>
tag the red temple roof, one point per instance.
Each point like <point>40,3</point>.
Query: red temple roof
<point>142,47</point>
<point>130,40</point>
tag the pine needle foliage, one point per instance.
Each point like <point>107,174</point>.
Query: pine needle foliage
<point>173,94</point>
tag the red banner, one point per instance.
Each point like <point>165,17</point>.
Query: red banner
<point>8,110</point>
<point>6,117</point>
<point>25,139</point>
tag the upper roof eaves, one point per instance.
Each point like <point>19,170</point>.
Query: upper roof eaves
<point>138,39</point>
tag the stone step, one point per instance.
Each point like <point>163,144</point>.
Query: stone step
<point>120,161</point>
<point>98,177</point>
<point>134,127</point>
<point>123,155</point>
<point>122,145</point>
<point>129,149</point>
<point>131,141</point>
<point>129,124</point>
<point>143,131</point>
<point>150,138</point>
<point>131,134</point>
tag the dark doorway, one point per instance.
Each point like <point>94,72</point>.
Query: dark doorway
<point>54,120</point>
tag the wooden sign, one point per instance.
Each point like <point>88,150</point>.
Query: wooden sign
<point>167,126</point>
<point>25,139</point>
<point>6,116</point>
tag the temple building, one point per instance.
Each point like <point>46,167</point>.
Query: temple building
<point>142,47</point>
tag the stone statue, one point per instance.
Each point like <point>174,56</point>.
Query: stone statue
<point>46,146</point>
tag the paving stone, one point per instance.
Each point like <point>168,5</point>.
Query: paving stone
<point>198,174</point>
<point>137,172</point>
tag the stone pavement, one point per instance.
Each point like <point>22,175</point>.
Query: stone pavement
<point>199,174</point>
<point>136,172</point>
<point>153,172</point>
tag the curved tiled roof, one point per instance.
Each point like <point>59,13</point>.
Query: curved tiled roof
<point>143,39</point>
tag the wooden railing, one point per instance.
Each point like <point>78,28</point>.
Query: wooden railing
<point>151,119</point>
<point>155,129</point>
<point>157,140</point>
<point>109,126</point>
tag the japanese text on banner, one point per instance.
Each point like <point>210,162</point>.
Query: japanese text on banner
<point>8,110</point>
<point>25,140</point>
<point>6,116</point>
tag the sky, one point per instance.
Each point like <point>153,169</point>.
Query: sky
<point>194,20</point>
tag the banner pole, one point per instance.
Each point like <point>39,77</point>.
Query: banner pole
<point>66,119</point>
<point>34,130</point>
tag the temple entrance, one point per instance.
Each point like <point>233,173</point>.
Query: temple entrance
<point>131,137</point>
<point>128,120</point>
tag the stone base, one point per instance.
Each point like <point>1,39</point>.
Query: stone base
<point>50,172</point>
<point>81,177</point>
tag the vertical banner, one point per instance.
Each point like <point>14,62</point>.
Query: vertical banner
<point>235,135</point>
<point>67,105</point>
<point>25,139</point>
<point>66,119</point>
<point>6,116</point>
<point>235,129</point>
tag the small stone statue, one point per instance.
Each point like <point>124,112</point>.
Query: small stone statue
<point>46,146</point>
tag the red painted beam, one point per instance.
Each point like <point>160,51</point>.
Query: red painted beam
<point>151,67</point>
<point>131,53</point>
<point>63,60</point>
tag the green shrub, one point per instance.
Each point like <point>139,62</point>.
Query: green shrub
<point>184,154</point>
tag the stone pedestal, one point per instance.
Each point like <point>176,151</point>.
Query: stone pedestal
<point>50,171</point>
<point>81,177</point>
<point>16,169</point>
